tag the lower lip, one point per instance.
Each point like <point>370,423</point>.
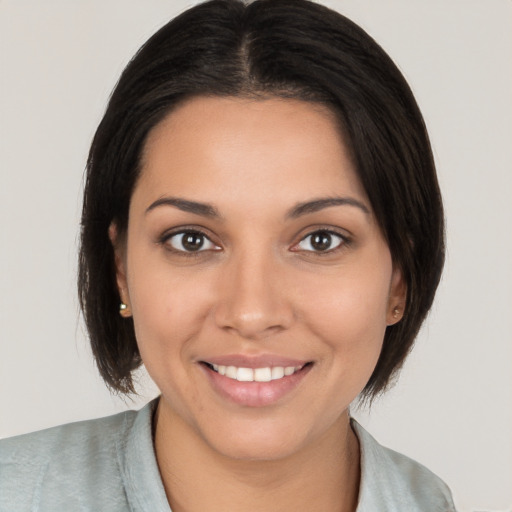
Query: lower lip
<point>255,394</point>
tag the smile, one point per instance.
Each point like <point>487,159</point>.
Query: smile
<point>265,374</point>
<point>255,384</point>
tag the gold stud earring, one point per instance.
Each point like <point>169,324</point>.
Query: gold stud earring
<point>124,311</point>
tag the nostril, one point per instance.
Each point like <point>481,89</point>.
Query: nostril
<point>252,324</point>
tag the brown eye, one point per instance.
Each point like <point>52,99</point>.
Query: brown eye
<point>191,241</point>
<point>321,241</point>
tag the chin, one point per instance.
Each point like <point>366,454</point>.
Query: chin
<point>257,448</point>
<point>258,440</point>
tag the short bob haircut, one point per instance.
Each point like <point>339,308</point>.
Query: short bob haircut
<point>268,48</point>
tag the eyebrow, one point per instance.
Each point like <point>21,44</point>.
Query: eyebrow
<point>207,210</point>
<point>325,202</point>
<point>203,209</point>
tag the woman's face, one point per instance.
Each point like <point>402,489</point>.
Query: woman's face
<point>258,279</point>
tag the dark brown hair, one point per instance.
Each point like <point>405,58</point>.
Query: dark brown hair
<point>284,48</point>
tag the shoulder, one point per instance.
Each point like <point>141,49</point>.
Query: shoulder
<point>62,463</point>
<point>66,445</point>
<point>391,481</point>
<point>42,444</point>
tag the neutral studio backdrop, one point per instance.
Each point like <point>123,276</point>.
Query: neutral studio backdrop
<point>452,408</point>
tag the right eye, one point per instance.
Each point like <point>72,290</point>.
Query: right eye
<point>190,242</point>
<point>321,241</point>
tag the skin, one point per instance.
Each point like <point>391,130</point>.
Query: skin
<point>258,287</point>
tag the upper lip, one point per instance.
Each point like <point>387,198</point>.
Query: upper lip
<point>254,361</point>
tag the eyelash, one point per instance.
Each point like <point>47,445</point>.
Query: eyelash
<point>165,239</point>
<point>344,241</point>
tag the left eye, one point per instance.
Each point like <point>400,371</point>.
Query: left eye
<point>321,241</point>
<point>191,241</point>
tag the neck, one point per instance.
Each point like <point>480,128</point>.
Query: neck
<point>324,476</point>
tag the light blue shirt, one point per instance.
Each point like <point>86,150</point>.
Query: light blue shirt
<point>109,465</point>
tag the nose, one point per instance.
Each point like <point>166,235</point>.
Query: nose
<point>253,299</point>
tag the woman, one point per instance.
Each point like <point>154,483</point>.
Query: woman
<point>263,228</point>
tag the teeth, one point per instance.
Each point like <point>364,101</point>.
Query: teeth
<point>262,374</point>
<point>245,374</point>
<point>257,374</point>
<point>277,372</point>
<point>231,372</point>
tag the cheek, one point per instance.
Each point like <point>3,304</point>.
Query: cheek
<point>349,311</point>
<point>166,313</point>
<point>168,308</point>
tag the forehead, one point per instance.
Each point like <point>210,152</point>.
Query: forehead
<point>253,150</point>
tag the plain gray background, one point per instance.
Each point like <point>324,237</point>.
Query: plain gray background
<point>452,408</point>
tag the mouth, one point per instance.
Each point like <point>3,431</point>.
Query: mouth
<point>263,374</point>
<point>258,386</point>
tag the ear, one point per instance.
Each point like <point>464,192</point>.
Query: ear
<point>120,264</point>
<point>397,297</point>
